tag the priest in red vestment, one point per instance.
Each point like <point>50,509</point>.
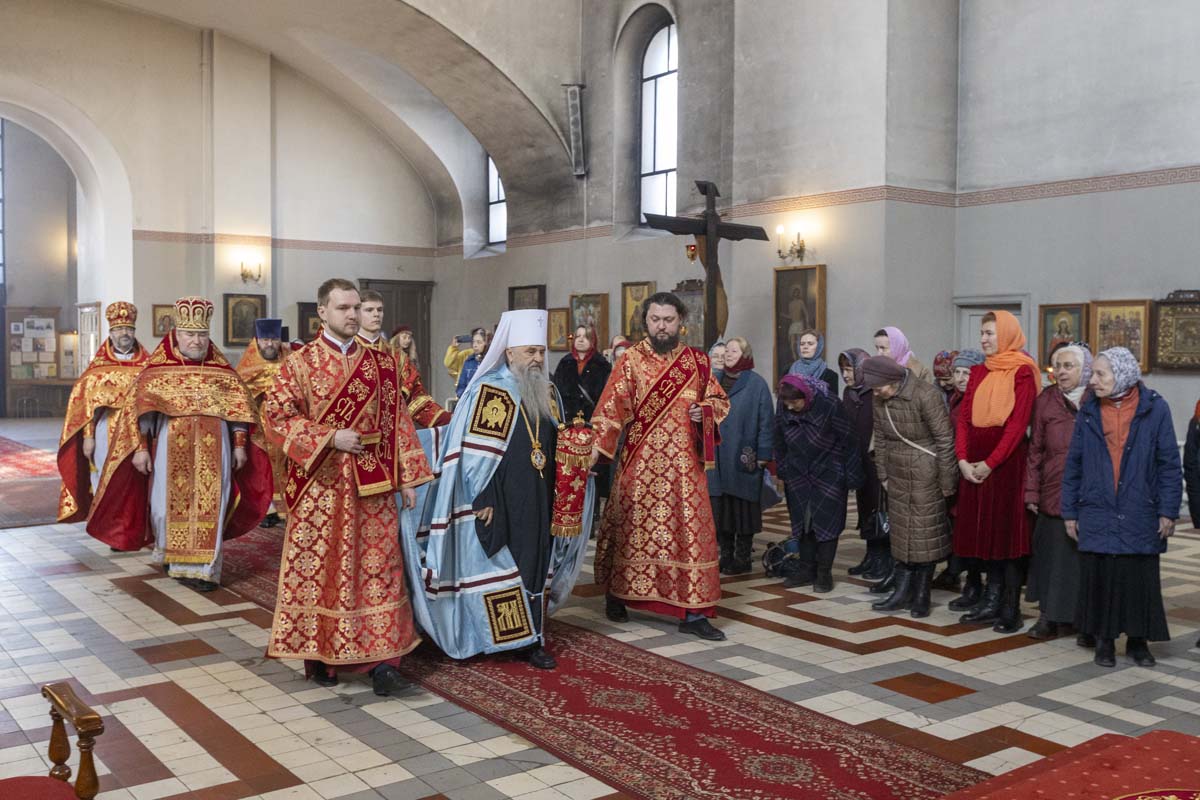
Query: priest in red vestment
<point>338,414</point>
<point>259,368</point>
<point>181,470</point>
<point>84,442</point>
<point>657,546</point>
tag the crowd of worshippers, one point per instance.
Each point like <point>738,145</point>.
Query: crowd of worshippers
<point>466,525</point>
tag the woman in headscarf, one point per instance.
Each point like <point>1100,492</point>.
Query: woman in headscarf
<point>1121,492</point>
<point>857,401</point>
<point>992,524</point>
<point>943,371</point>
<point>892,342</point>
<point>914,454</point>
<point>735,484</point>
<point>1054,564</point>
<point>580,377</point>
<point>816,457</point>
<point>811,363</point>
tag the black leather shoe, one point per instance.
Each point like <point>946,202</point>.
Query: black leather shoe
<point>1043,629</point>
<point>1009,619</point>
<point>537,657</point>
<point>867,562</point>
<point>319,673</point>
<point>1139,651</point>
<point>971,596</point>
<point>988,611</point>
<point>886,585</point>
<point>702,628</point>
<point>881,567</point>
<point>1106,653</point>
<point>386,680</point>
<point>615,610</point>
<point>199,584</point>
<point>1085,640</point>
<point>946,581</point>
<point>270,521</point>
<point>901,596</point>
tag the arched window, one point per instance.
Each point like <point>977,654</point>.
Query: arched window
<point>497,206</point>
<point>660,113</point>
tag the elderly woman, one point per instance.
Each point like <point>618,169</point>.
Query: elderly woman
<point>1121,492</point>
<point>991,522</point>
<point>816,457</point>
<point>735,484</point>
<point>857,402</point>
<point>943,371</point>
<point>972,590</point>
<point>811,363</point>
<point>1054,566</point>
<point>892,342</point>
<point>914,455</point>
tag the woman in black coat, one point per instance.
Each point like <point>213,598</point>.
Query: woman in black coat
<point>580,378</point>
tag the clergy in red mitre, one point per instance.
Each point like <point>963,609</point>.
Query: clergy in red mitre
<point>657,546</point>
<point>84,441</point>
<point>182,471</point>
<point>259,368</point>
<point>425,412</point>
<point>337,412</point>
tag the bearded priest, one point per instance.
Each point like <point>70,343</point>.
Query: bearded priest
<point>259,368</point>
<point>182,437</point>
<point>84,442</point>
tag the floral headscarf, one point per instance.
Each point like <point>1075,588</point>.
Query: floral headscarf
<point>1125,369</point>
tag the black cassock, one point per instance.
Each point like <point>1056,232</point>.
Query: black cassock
<point>521,500</point>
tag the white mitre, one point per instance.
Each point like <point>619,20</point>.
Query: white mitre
<point>520,328</point>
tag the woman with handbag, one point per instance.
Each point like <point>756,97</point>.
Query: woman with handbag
<point>816,456</point>
<point>857,401</point>
<point>735,483</point>
<point>914,457</point>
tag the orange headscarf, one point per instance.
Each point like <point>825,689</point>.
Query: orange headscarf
<point>996,394</point>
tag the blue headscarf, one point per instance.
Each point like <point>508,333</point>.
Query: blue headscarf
<point>969,358</point>
<point>811,367</point>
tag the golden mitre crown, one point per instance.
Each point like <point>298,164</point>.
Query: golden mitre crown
<point>193,313</point>
<point>121,314</point>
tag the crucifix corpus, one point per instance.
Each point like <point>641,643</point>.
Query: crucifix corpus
<point>709,230</point>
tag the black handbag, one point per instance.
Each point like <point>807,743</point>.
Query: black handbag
<point>882,527</point>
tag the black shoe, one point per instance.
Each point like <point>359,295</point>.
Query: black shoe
<point>199,584</point>
<point>922,583</point>
<point>739,567</point>
<point>723,566</point>
<point>972,594</point>
<point>881,568</point>
<point>1139,651</point>
<point>947,580</point>
<point>1009,620</point>
<point>320,674</point>
<point>702,628</point>
<point>270,521</point>
<point>988,611</point>
<point>824,580</point>
<point>386,680</point>
<point>1043,629</point>
<point>1106,653</point>
<point>537,657</point>
<point>887,585</point>
<point>1085,640</point>
<point>615,610</point>
<point>901,596</point>
<point>868,560</point>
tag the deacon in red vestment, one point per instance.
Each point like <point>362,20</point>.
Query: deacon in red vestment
<point>338,414</point>
<point>84,442</point>
<point>424,411</point>
<point>657,547</point>
<point>181,469</point>
<point>259,368</point>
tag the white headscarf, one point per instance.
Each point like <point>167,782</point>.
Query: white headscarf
<point>519,328</point>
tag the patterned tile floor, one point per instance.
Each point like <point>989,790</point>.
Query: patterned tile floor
<point>192,709</point>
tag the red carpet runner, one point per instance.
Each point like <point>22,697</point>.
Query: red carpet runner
<point>654,728</point>
<point>22,461</point>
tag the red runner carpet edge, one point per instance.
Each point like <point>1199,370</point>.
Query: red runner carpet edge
<point>652,727</point>
<point>22,461</point>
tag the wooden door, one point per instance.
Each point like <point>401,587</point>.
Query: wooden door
<point>406,303</point>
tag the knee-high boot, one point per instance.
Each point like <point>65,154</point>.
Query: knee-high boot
<point>901,596</point>
<point>922,584</point>
<point>826,552</point>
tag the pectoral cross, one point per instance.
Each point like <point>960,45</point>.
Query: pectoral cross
<point>709,230</point>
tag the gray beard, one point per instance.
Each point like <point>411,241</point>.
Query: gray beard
<point>534,387</point>
<point>664,346</point>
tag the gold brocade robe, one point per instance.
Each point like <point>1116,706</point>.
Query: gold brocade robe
<point>657,542</point>
<point>342,598</point>
<point>259,375</point>
<point>100,386</point>
<point>425,412</point>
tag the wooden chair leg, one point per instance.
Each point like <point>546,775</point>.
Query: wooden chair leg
<point>87,784</point>
<point>60,747</point>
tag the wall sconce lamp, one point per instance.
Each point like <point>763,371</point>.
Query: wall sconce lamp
<point>250,277</point>
<point>793,249</point>
<point>691,252</point>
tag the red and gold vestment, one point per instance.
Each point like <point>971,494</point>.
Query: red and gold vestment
<point>342,598</point>
<point>259,375</point>
<point>657,545</point>
<point>424,411</point>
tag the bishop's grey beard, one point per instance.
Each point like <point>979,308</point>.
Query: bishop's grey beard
<point>534,387</point>
<point>664,344</point>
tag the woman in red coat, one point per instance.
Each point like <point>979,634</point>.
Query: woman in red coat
<point>992,523</point>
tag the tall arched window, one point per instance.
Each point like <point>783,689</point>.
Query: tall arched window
<point>497,206</point>
<point>660,113</point>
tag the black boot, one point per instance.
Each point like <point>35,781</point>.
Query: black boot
<point>826,552</point>
<point>800,568</point>
<point>1139,651</point>
<point>743,554</point>
<point>1106,653</point>
<point>615,610</point>
<point>922,584</point>
<point>888,583</point>
<point>948,580</point>
<point>988,610</point>
<point>882,567</point>
<point>725,545</point>
<point>319,673</point>
<point>901,596</point>
<point>1043,629</point>
<point>972,593</point>
<point>1010,620</point>
<point>868,560</point>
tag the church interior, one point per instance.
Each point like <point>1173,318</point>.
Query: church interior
<point>906,163</point>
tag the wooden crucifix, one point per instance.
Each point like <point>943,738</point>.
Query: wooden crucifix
<point>709,230</point>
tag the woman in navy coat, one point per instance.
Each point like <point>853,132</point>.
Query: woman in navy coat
<point>1121,492</point>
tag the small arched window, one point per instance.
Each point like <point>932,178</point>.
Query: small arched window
<point>497,206</point>
<point>660,114</point>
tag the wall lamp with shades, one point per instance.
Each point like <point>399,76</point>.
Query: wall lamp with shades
<point>250,276</point>
<point>794,249</point>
